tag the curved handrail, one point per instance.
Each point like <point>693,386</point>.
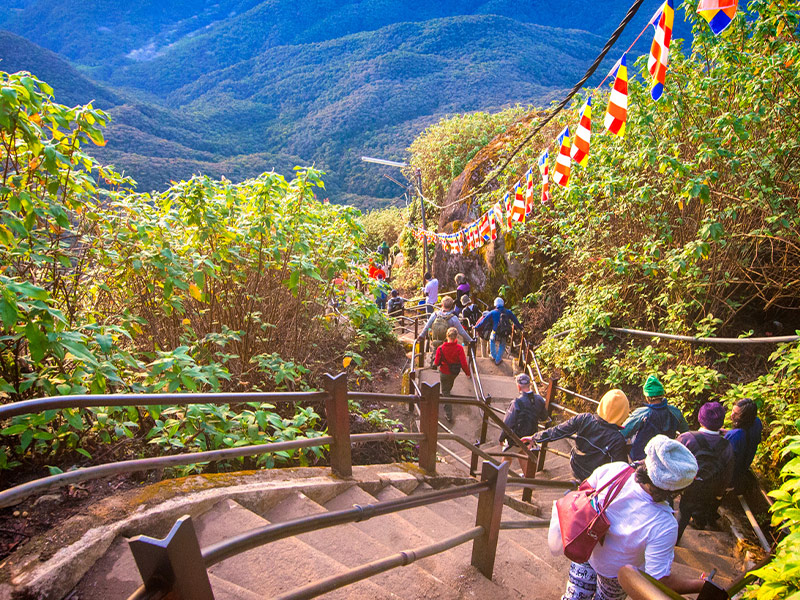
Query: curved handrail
<point>269,533</point>
<point>13,495</point>
<point>25,407</point>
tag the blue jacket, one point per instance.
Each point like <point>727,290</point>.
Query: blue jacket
<point>494,315</point>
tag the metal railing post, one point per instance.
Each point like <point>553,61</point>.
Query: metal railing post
<point>490,511</point>
<point>174,564</point>
<point>338,413</point>
<point>549,395</point>
<point>473,467</point>
<point>429,425</point>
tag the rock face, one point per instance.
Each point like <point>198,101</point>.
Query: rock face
<point>493,265</point>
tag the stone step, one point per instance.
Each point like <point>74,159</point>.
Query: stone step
<point>277,567</point>
<point>523,561</point>
<point>115,576</point>
<point>350,546</point>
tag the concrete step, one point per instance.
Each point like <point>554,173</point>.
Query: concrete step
<point>113,576</point>
<point>276,567</point>
<point>523,560</point>
<point>350,546</point>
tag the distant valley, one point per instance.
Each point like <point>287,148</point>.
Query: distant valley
<point>234,88</point>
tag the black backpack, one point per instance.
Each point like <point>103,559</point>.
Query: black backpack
<point>710,467</point>
<point>657,421</point>
<point>526,417</point>
<point>504,326</point>
<point>395,306</point>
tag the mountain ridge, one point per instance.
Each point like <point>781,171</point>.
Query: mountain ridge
<point>242,78</point>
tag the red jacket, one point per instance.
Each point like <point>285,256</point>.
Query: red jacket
<point>451,352</point>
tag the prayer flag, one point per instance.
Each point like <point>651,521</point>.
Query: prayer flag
<point>580,145</point>
<point>617,112</point>
<point>517,214</point>
<point>498,212</point>
<point>529,193</point>
<point>544,169</point>
<point>493,225</point>
<point>485,232</point>
<point>718,13</point>
<point>563,163</point>
<point>508,204</point>
<point>659,50</point>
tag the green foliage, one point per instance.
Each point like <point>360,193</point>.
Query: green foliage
<point>103,290</point>
<point>443,150</point>
<point>780,576</point>
<point>382,225</point>
<point>203,427</point>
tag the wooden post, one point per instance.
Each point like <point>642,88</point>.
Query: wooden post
<point>490,511</point>
<point>528,471</point>
<point>338,413</point>
<point>173,565</point>
<point>429,425</point>
<point>549,395</point>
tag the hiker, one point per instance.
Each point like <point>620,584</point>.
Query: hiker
<point>396,305</point>
<point>372,268</point>
<point>714,455</point>
<point>451,360</point>
<point>598,440</point>
<point>462,289</point>
<point>523,416</point>
<point>643,530</point>
<point>383,250</point>
<point>442,320</point>
<point>431,292</point>
<point>658,417</point>
<point>380,290</point>
<point>471,313</point>
<point>744,438</point>
<point>499,321</point>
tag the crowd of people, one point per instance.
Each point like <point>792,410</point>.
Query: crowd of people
<point>677,477</point>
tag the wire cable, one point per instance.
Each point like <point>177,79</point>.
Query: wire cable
<point>549,117</point>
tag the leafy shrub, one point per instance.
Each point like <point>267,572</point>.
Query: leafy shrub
<point>104,290</point>
<point>779,577</point>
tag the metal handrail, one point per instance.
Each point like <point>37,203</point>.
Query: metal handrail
<point>278,531</point>
<point>317,588</point>
<point>13,495</point>
<point>25,407</point>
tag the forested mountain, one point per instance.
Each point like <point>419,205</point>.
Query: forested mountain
<point>238,86</point>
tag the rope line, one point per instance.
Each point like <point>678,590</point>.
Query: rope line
<point>609,44</point>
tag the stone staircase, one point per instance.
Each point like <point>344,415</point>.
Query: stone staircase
<point>224,506</point>
<point>523,560</point>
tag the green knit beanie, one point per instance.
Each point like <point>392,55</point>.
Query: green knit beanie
<point>653,388</point>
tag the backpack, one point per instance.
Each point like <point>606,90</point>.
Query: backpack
<point>504,327</point>
<point>485,329</point>
<point>526,419</point>
<point>395,306</point>
<point>657,421</point>
<point>439,328</point>
<point>709,464</point>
